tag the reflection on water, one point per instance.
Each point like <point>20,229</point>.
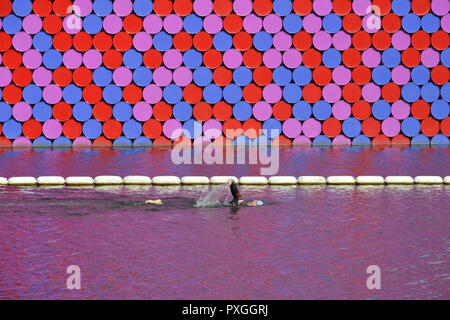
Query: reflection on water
<point>292,161</point>
<point>313,242</point>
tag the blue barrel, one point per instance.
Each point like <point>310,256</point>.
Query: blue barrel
<point>142,142</point>
<point>122,142</point>
<point>361,140</point>
<point>322,110</point>
<point>440,109</point>
<point>192,129</point>
<point>82,111</point>
<point>292,93</point>
<point>322,141</point>
<point>410,127</point>
<point>440,140</point>
<point>182,111</point>
<point>32,94</point>
<point>421,140</point>
<point>42,142</point>
<point>302,110</point>
<point>112,94</point>
<point>172,94</point>
<point>132,129</point>
<point>122,111</point>
<point>92,129</point>
<point>242,111</point>
<point>12,129</point>
<point>381,110</point>
<point>272,128</point>
<point>212,94</point>
<point>351,127</point>
<point>41,112</point>
<point>72,94</point>
<point>62,142</point>
<point>5,112</point>
<point>232,93</point>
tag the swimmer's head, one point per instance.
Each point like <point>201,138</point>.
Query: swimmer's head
<point>255,203</point>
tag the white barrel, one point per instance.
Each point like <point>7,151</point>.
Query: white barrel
<point>79,181</point>
<point>137,180</point>
<point>166,180</point>
<point>258,180</point>
<point>3,181</point>
<point>22,181</point>
<point>283,180</point>
<point>107,180</point>
<point>369,180</point>
<point>341,180</point>
<point>195,180</point>
<point>311,180</point>
<point>51,181</point>
<point>447,180</point>
<point>399,180</point>
<point>222,179</point>
<point>428,180</point>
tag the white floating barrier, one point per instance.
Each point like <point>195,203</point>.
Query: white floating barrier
<point>3,181</point>
<point>369,180</point>
<point>137,180</point>
<point>428,180</point>
<point>341,180</point>
<point>22,181</point>
<point>399,180</point>
<point>222,179</point>
<point>166,180</point>
<point>253,180</point>
<point>282,180</point>
<point>108,180</point>
<point>447,180</point>
<point>194,180</point>
<point>311,180</point>
<point>79,181</point>
<point>51,181</point>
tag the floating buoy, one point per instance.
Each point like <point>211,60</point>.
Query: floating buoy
<point>3,181</point>
<point>79,181</point>
<point>108,180</point>
<point>341,180</point>
<point>399,180</point>
<point>137,180</point>
<point>447,180</point>
<point>428,180</point>
<point>22,181</point>
<point>253,180</point>
<point>194,180</point>
<point>222,179</point>
<point>51,181</point>
<point>311,180</point>
<point>166,180</point>
<point>369,180</point>
<point>282,180</point>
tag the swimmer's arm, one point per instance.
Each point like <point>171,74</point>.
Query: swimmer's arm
<point>157,201</point>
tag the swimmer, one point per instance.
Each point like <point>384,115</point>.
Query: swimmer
<point>157,202</point>
<point>238,200</point>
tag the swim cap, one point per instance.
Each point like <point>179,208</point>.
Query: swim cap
<point>259,202</point>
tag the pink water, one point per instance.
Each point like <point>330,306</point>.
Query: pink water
<point>312,242</point>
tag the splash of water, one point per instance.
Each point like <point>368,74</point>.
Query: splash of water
<point>212,197</point>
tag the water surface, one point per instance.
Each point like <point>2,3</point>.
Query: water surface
<point>313,242</point>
